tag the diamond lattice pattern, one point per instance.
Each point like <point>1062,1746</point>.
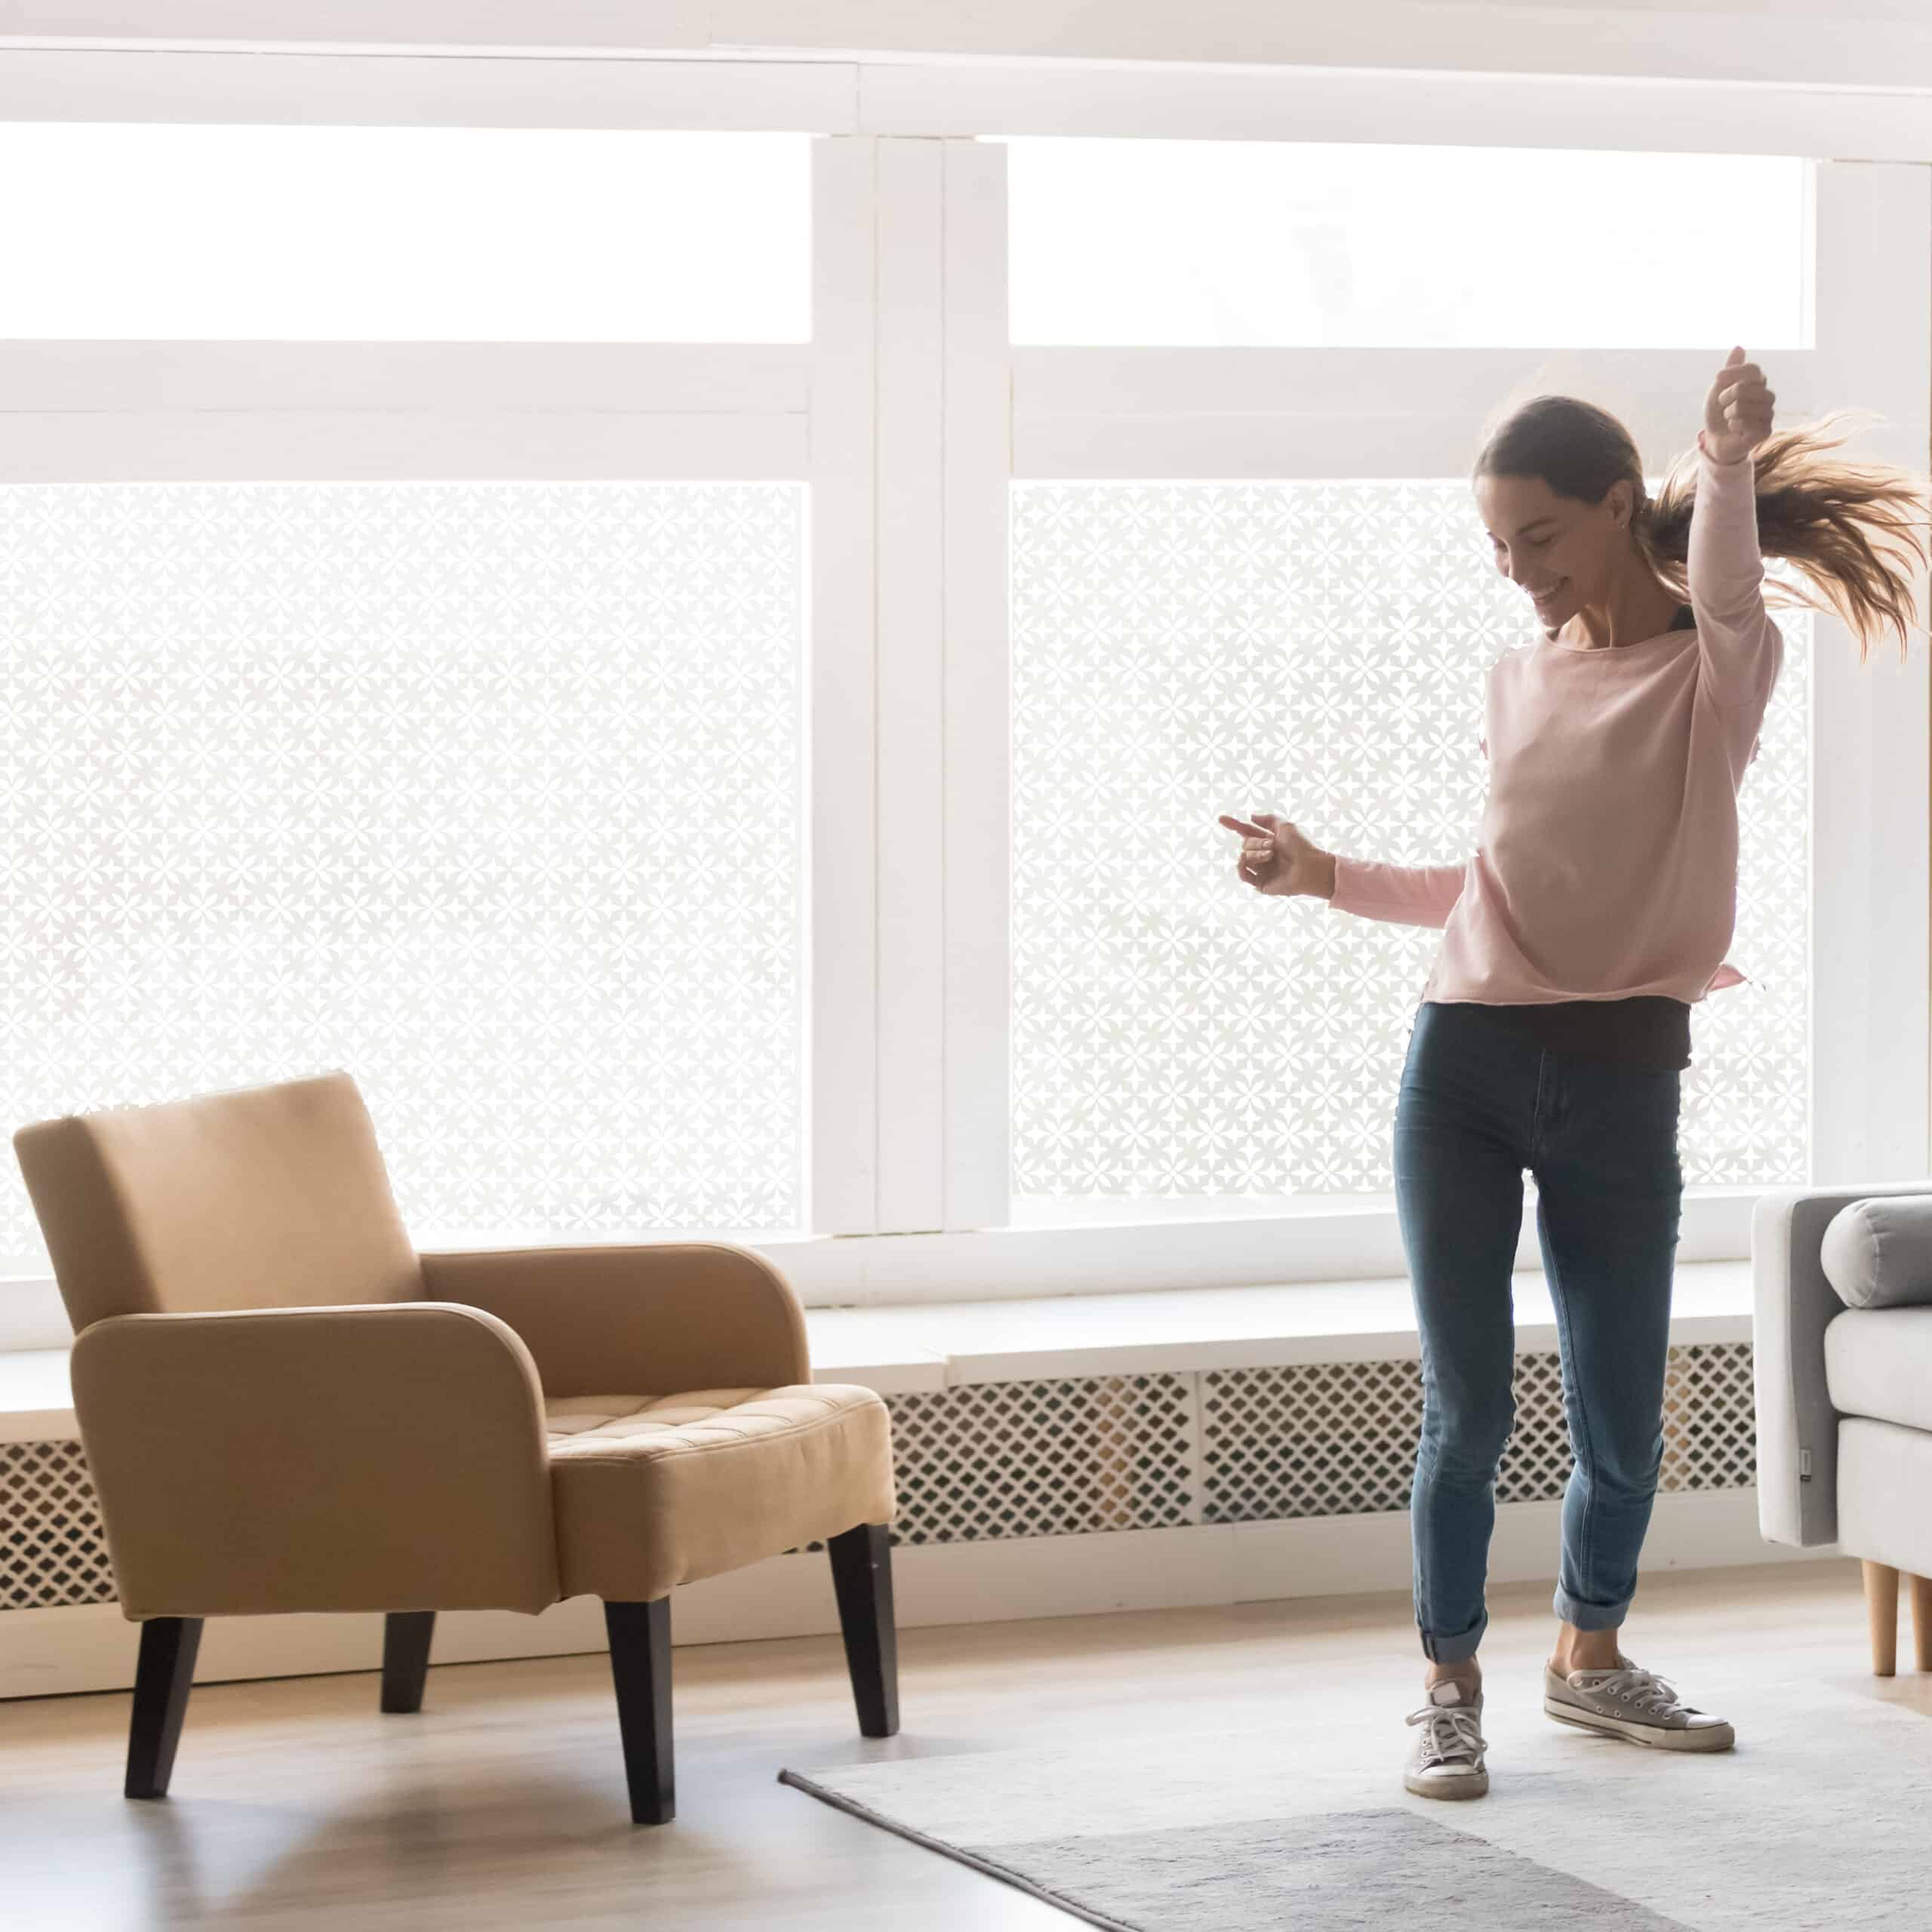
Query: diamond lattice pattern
<point>1317,650</point>
<point>486,792</point>
<point>1338,1439</point>
<point>1088,1455</point>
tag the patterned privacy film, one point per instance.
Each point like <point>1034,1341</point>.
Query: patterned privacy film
<point>486,792</point>
<point>1316,649</point>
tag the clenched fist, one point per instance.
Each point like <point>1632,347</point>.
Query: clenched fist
<point>1737,412</point>
<point>1276,858</point>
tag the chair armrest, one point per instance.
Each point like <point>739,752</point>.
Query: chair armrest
<point>646,1319</point>
<point>380,1455</point>
<point>1793,1305</point>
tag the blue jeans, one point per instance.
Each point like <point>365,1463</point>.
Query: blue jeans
<point>1478,1103</point>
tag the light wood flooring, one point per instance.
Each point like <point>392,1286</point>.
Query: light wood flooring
<point>501,1805</point>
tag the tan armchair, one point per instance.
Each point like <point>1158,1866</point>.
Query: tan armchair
<point>286,1407</point>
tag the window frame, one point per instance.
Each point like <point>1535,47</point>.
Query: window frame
<point>909,415</point>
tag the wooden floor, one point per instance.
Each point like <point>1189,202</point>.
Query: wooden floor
<point>502,1804</point>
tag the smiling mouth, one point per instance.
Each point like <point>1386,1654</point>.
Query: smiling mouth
<point>1546,597</point>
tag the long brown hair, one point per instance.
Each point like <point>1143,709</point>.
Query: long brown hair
<point>1856,531</point>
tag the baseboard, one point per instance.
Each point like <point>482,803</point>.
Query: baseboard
<point>92,1647</point>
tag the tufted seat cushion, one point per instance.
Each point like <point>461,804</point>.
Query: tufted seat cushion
<point>654,1491</point>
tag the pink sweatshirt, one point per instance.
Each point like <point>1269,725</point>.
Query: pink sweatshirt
<point>1606,865</point>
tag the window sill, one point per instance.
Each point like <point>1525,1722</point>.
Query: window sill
<point>945,1345</point>
<point>1354,1244</point>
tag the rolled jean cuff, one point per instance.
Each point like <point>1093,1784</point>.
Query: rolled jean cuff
<point>1454,1649</point>
<point>1588,1616</point>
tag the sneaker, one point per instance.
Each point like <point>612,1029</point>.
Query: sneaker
<point>1625,1702</point>
<point>1446,1761</point>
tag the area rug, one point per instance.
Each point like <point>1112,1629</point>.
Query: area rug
<point>1819,1818</point>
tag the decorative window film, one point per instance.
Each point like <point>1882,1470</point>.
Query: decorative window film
<point>1368,245</point>
<point>1317,649</point>
<point>488,793</point>
<point>217,232</point>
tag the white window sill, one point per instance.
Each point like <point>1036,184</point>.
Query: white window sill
<point>945,1345</point>
<point>1185,1248</point>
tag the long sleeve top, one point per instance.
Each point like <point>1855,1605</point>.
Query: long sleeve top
<point>1606,862</point>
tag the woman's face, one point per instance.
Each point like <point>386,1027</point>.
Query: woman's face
<point>1562,553</point>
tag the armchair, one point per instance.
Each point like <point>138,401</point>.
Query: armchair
<point>285,1407</point>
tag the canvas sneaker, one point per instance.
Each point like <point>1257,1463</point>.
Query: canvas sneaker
<point>1638,1704</point>
<point>1446,1761</point>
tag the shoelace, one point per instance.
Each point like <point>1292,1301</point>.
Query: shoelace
<point>1644,1688</point>
<point>1452,1732</point>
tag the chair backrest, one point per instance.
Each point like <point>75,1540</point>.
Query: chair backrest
<point>257,1197</point>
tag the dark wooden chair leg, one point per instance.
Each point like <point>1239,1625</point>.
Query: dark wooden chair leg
<point>163,1678</point>
<point>406,1638</point>
<point>641,1668</point>
<point>862,1577</point>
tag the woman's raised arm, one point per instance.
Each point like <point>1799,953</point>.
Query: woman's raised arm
<point>1741,649</point>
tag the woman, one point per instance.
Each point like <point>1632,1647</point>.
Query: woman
<point>1555,1023</point>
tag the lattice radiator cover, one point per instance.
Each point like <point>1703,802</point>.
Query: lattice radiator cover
<point>1086,1455</point>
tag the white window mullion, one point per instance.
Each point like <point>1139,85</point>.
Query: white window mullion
<point>843,980</point>
<point>911,770</point>
<point>1869,855</point>
<point>978,690</point>
<point>311,412</point>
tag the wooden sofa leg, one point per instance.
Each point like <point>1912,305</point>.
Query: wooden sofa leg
<point>1881,1611</point>
<point>163,1678</point>
<point>1921,1621</point>
<point>862,1578</point>
<point>640,1636</point>
<point>407,1634</point>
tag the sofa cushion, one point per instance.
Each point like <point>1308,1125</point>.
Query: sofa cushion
<point>654,1491</point>
<point>1877,1254</point>
<point>1878,1363</point>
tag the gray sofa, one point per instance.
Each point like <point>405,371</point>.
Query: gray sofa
<point>1844,1389</point>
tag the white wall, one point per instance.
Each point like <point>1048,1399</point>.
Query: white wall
<point>1881,43</point>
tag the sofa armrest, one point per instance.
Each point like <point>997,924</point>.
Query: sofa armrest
<point>371,1457</point>
<point>1792,1304</point>
<point>643,1318</point>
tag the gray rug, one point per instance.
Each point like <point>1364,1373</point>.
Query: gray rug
<point>1818,1819</point>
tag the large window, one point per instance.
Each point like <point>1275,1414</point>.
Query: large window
<point>702,664</point>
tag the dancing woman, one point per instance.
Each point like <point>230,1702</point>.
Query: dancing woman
<point>1555,1025</point>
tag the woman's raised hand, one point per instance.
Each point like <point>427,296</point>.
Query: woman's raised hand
<point>1276,858</point>
<point>1737,412</point>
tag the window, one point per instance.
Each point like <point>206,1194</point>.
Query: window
<point>1294,244</point>
<point>1244,573</point>
<point>158,231</point>
<point>667,773</point>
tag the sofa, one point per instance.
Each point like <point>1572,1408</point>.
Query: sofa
<point>1842,1301</point>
